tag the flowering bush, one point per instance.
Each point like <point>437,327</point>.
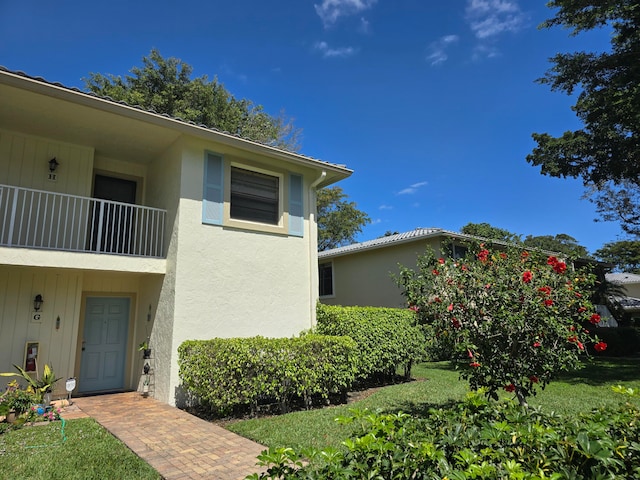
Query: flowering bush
<point>516,316</point>
<point>38,413</point>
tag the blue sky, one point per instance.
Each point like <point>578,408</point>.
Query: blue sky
<point>431,103</point>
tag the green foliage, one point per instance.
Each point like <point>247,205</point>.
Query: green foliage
<point>474,439</point>
<point>164,85</point>
<point>226,374</point>
<point>386,338</point>
<point>17,399</point>
<point>621,341</point>
<point>339,221</point>
<point>517,317</point>
<point>560,243</point>
<point>605,152</point>
<point>623,254</point>
<point>488,231</point>
<point>40,384</point>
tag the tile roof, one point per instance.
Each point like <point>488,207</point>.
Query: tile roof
<point>413,235</point>
<point>153,112</point>
<point>622,278</point>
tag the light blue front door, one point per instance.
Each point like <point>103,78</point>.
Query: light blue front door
<point>104,344</point>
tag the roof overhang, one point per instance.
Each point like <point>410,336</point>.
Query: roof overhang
<point>115,129</point>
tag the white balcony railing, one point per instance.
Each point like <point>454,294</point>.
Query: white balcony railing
<point>40,219</point>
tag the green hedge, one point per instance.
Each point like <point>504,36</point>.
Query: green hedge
<point>386,338</point>
<point>235,373</point>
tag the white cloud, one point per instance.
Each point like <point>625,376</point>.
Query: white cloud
<point>484,51</point>
<point>328,52</point>
<point>411,189</point>
<point>438,49</point>
<point>331,10</point>
<point>489,18</point>
<point>385,207</point>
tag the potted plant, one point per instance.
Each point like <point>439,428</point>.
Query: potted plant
<point>15,401</point>
<point>144,348</point>
<point>42,386</point>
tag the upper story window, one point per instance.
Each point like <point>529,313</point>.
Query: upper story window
<point>249,196</point>
<point>254,196</point>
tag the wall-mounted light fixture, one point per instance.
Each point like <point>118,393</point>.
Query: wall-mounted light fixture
<point>53,164</point>
<point>37,302</point>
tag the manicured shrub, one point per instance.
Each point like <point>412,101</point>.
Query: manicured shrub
<point>386,338</point>
<point>232,374</point>
<point>475,439</point>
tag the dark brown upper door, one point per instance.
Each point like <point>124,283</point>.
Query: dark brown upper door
<point>112,224</point>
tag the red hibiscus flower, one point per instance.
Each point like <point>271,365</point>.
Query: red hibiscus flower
<point>483,255</point>
<point>600,347</point>
<point>524,255</point>
<point>580,345</point>
<point>545,290</point>
<point>527,276</point>
<point>595,319</point>
<point>414,308</point>
<point>560,267</point>
<point>552,260</point>
<point>503,255</point>
<point>548,302</point>
<point>436,272</point>
<point>450,307</point>
<point>510,388</point>
<point>437,300</point>
<point>536,344</point>
<point>441,261</point>
<point>474,364</point>
<point>582,309</point>
<point>533,379</point>
<point>572,339</point>
<point>455,322</point>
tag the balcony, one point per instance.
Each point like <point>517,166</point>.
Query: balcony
<point>53,221</point>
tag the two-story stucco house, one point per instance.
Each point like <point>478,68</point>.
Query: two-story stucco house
<point>118,224</point>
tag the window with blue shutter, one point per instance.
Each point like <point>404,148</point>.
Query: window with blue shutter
<point>213,191</point>
<point>296,205</point>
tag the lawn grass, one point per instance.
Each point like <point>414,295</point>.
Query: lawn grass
<point>437,384</point>
<point>89,452</point>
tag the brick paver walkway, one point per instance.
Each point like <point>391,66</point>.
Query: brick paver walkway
<point>175,443</point>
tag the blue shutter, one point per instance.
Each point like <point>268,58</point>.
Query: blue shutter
<point>296,205</point>
<point>213,191</point>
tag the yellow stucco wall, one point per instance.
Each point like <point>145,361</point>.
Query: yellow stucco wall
<point>365,278</point>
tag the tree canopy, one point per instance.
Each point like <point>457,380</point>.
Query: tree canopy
<point>339,221</point>
<point>166,86</point>
<point>605,153</point>
<point>624,255</point>
<point>560,243</point>
<point>486,230</point>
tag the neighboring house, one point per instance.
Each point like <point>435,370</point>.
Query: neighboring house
<point>119,224</point>
<point>361,274</point>
<point>628,300</point>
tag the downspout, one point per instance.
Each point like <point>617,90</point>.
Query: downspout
<point>313,248</point>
